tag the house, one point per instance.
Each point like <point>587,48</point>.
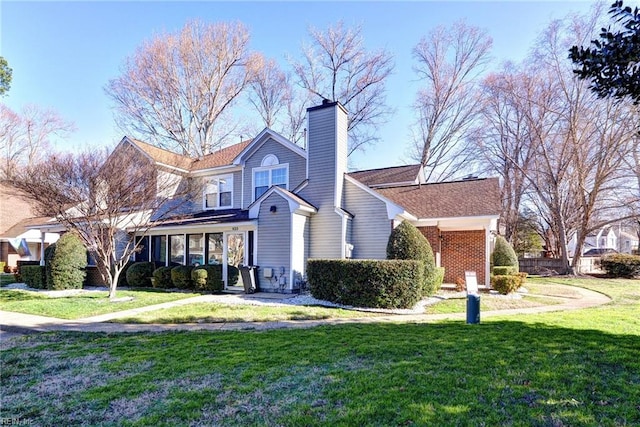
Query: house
<point>18,242</point>
<point>610,239</point>
<point>268,202</point>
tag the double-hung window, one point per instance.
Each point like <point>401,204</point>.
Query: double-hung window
<point>267,176</point>
<point>218,192</point>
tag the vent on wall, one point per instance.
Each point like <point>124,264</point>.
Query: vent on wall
<point>268,273</point>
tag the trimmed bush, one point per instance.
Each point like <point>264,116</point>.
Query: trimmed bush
<point>208,278</point>
<point>162,278</point>
<point>139,274</point>
<point>66,263</point>
<point>34,276</point>
<point>367,283</point>
<point>503,254</point>
<point>504,270</point>
<point>232,274</point>
<point>406,242</point>
<point>438,277</point>
<point>181,276</point>
<point>506,284</point>
<point>621,265</point>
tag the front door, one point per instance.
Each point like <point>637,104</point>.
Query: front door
<point>234,255</point>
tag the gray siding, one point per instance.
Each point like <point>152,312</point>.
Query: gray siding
<point>327,164</point>
<point>297,166</point>
<point>370,227</point>
<point>274,241</point>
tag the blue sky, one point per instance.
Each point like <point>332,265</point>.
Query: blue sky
<point>63,53</point>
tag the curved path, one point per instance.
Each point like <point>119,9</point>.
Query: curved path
<point>17,323</point>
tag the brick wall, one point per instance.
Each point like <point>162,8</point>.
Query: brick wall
<point>433,236</point>
<point>463,251</point>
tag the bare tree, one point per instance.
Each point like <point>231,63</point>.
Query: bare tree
<point>109,199</point>
<point>448,63</point>
<point>281,107</point>
<point>26,136</point>
<point>503,140</point>
<point>177,89</point>
<point>336,66</point>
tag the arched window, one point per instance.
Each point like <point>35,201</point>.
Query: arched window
<point>270,173</point>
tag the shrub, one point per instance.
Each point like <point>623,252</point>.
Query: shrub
<point>66,264</point>
<point>2,266</point>
<point>438,277</point>
<point>406,242</point>
<point>508,283</point>
<point>34,276</point>
<point>504,270</point>
<point>181,276</point>
<point>208,278</point>
<point>139,274</point>
<point>621,265</point>
<point>232,274</point>
<point>122,279</point>
<point>503,254</point>
<point>162,278</point>
<point>367,283</point>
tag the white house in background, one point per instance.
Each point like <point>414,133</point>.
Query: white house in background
<point>609,239</point>
<point>268,202</point>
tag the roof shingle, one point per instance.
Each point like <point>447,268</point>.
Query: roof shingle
<point>467,198</point>
<point>390,175</point>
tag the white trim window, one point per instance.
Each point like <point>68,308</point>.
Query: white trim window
<point>218,192</point>
<point>270,173</point>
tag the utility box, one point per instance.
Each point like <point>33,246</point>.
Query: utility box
<point>473,297</point>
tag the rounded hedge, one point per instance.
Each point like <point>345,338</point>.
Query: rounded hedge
<point>181,276</point>
<point>139,274</point>
<point>208,278</point>
<point>67,260</point>
<point>162,278</point>
<point>406,242</point>
<point>503,254</point>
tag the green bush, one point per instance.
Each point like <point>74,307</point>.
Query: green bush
<point>66,263</point>
<point>122,279</point>
<point>139,274</point>
<point>367,283</point>
<point>232,274</point>
<point>181,276</point>
<point>438,277</point>
<point>34,276</point>
<point>503,254</point>
<point>406,242</point>
<point>621,265</point>
<point>508,283</point>
<point>504,270</point>
<point>162,278</point>
<point>208,278</point>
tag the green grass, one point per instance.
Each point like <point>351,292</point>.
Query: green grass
<point>552,369</point>
<point>490,303</point>
<point>221,313</point>
<point>7,279</point>
<point>88,304</point>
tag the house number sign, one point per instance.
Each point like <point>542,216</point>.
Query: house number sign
<point>234,228</point>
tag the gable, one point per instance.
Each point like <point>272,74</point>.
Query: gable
<point>272,138</point>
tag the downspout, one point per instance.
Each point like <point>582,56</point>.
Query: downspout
<point>487,252</point>
<point>42,235</point>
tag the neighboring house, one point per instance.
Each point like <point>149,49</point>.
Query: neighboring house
<point>17,240</point>
<point>609,239</point>
<point>270,203</point>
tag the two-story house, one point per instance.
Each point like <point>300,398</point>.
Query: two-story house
<point>269,202</point>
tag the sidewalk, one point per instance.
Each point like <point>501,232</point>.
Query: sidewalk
<point>24,323</point>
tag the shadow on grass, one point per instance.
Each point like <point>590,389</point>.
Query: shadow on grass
<point>496,373</point>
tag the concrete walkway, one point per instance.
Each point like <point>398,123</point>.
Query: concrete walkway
<point>12,323</point>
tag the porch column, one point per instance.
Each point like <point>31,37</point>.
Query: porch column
<point>487,255</point>
<point>42,235</point>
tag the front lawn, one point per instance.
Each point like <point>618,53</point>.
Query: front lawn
<point>87,304</point>
<point>552,369</point>
<point>222,313</point>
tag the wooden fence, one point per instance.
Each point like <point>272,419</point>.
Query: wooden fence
<point>555,266</point>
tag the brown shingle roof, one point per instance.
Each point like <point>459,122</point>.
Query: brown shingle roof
<point>23,226</point>
<point>473,197</point>
<point>221,157</point>
<point>391,175</point>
